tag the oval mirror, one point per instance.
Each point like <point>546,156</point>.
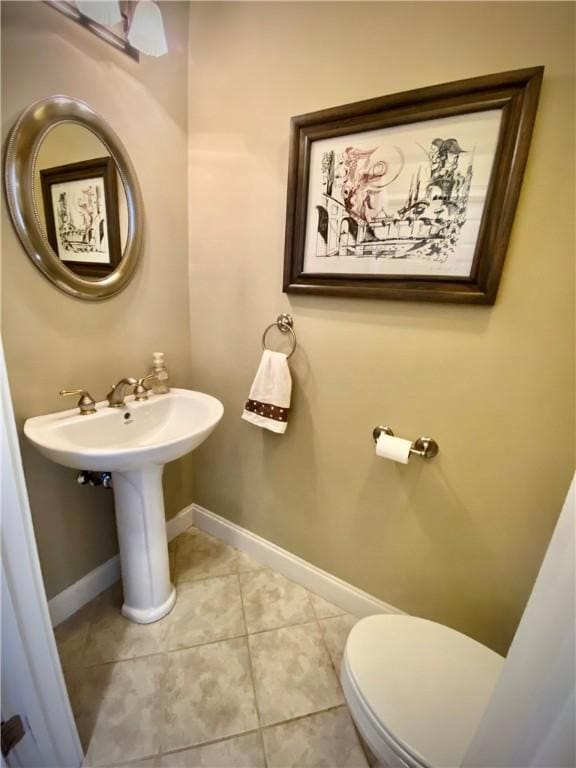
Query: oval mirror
<point>74,198</point>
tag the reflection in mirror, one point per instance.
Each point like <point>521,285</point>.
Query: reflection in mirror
<point>79,225</point>
<point>80,200</point>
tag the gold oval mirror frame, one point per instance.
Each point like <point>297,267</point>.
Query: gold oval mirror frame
<point>22,150</point>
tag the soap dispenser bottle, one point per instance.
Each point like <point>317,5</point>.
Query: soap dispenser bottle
<point>160,381</point>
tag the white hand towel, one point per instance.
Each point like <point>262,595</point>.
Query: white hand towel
<point>268,403</point>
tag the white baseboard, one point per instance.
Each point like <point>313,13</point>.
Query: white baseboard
<point>70,600</point>
<point>342,594</point>
<point>329,587</point>
<point>90,586</point>
<point>180,522</point>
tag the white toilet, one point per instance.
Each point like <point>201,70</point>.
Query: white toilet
<point>416,689</point>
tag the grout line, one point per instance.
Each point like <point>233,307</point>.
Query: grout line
<point>203,645</point>
<point>180,582</point>
<point>86,640</point>
<point>172,561</point>
<point>167,650</point>
<point>282,626</point>
<point>303,717</point>
<point>124,661</point>
<point>345,703</point>
<point>263,745</point>
<point>163,691</point>
<point>132,761</point>
<point>363,745</point>
<point>166,646</point>
<point>184,582</point>
<point>212,741</point>
<point>325,645</point>
<point>256,705</point>
<point>163,706</point>
<point>332,664</point>
<point>260,729</point>
<point>311,604</point>
<point>250,665</point>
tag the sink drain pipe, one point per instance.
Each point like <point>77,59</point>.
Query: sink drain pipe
<point>94,479</point>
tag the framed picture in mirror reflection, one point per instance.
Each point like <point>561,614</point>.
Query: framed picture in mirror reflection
<point>81,214</point>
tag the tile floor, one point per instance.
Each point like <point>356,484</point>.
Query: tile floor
<point>244,673</point>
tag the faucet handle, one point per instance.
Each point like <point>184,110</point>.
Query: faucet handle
<point>141,390</point>
<point>87,404</point>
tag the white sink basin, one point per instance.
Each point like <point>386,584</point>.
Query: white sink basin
<point>133,442</point>
<point>156,431</point>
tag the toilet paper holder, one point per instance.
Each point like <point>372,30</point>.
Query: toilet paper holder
<point>425,447</point>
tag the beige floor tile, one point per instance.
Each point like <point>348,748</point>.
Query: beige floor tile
<point>239,752</point>
<point>371,758</point>
<point>246,563</point>
<point>151,762</point>
<point>71,636</point>
<point>205,611</point>
<point>336,631</point>
<point>113,638</point>
<point>271,601</point>
<point>325,740</point>
<point>323,609</point>
<point>208,694</point>
<point>199,556</point>
<point>118,709</point>
<point>293,675</point>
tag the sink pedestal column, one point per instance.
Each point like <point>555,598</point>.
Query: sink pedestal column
<point>139,498</point>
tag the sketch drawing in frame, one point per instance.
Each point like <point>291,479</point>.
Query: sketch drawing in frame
<point>81,214</point>
<point>410,196</point>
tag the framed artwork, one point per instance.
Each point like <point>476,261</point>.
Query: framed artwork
<point>81,212</point>
<point>410,196</point>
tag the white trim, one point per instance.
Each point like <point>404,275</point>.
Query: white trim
<point>180,522</point>
<point>529,720</point>
<point>70,600</point>
<point>32,680</point>
<point>342,594</point>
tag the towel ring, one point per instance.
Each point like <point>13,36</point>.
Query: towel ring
<point>284,324</point>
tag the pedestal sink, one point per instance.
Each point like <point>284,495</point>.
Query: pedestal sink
<point>134,442</point>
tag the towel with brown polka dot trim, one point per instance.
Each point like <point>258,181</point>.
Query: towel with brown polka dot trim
<point>268,402</point>
<point>267,411</point>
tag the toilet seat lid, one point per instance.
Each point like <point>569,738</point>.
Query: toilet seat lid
<point>426,684</point>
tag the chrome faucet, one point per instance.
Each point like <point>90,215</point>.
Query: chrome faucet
<point>119,391</point>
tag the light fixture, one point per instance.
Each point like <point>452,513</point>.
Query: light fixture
<point>146,32</point>
<point>114,35</point>
<point>102,11</point>
<point>141,30</point>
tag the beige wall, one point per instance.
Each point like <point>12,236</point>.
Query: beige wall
<point>52,340</point>
<point>459,539</point>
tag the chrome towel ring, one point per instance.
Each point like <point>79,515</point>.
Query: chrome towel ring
<point>284,324</point>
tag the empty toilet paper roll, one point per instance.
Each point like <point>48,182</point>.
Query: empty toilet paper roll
<point>393,448</point>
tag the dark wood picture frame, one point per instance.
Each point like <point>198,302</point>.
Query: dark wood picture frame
<point>100,167</point>
<point>516,93</point>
